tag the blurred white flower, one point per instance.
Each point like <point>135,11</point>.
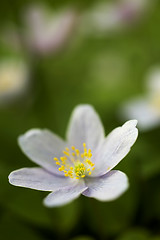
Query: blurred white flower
<point>146,109</point>
<point>14,77</point>
<point>82,165</point>
<point>43,30</point>
<point>108,17</point>
<point>46,30</point>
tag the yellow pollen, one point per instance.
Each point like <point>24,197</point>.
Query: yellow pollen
<point>66,153</point>
<point>77,151</point>
<point>82,169</point>
<point>85,149</point>
<point>75,164</point>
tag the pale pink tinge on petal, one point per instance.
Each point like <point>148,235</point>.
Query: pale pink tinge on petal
<point>48,31</point>
<point>107,18</point>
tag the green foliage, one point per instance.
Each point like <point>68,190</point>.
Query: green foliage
<point>105,72</point>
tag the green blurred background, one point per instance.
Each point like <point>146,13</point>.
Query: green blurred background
<point>104,70</point>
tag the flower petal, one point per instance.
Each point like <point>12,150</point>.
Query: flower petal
<point>39,179</point>
<point>142,110</point>
<point>41,146</point>
<point>115,147</point>
<point>64,196</point>
<point>85,126</point>
<point>107,187</point>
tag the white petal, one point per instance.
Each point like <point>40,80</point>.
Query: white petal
<point>107,187</point>
<point>85,126</point>
<point>141,110</point>
<point>115,147</point>
<point>39,179</point>
<point>64,196</point>
<point>41,146</point>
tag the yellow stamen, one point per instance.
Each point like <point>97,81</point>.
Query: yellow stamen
<point>82,155</point>
<point>66,153</point>
<point>77,151</point>
<point>75,164</point>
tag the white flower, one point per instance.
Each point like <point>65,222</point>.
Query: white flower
<point>14,78</point>
<point>106,17</point>
<point>146,109</point>
<point>43,31</point>
<point>82,165</point>
<point>46,30</point>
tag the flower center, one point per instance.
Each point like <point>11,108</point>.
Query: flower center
<point>75,164</point>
